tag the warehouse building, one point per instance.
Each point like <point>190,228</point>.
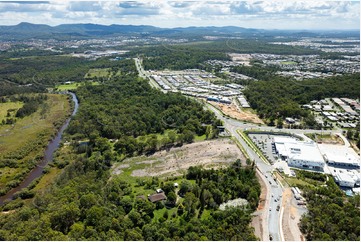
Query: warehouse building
<point>340,156</point>
<point>299,154</point>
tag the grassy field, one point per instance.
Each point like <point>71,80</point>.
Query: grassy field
<point>22,144</point>
<point>72,86</point>
<point>288,63</point>
<point>102,72</point>
<point>165,134</point>
<point>4,107</point>
<point>326,138</point>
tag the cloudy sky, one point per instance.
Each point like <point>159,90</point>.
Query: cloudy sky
<point>267,14</point>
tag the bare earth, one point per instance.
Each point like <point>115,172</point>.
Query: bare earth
<point>290,218</point>
<point>214,153</point>
<point>241,58</point>
<point>334,139</point>
<point>234,112</point>
<point>260,216</point>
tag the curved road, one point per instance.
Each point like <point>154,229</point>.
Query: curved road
<point>270,210</point>
<point>275,190</point>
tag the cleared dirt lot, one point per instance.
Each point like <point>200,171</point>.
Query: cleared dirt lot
<point>212,153</point>
<point>259,220</point>
<point>291,218</point>
<point>234,112</point>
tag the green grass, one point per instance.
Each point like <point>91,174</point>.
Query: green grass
<point>200,138</point>
<point>252,145</point>
<point>101,72</point>
<point>159,213</point>
<point>288,63</point>
<point>294,182</point>
<point>65,87</point>
<point>47,179</point>
<point>72,86</point>
<point>27,139</point>
<point>4,107</point>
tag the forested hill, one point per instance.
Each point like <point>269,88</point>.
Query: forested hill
<point>82,31</point>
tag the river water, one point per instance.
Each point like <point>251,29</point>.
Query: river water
<point>48,156</point>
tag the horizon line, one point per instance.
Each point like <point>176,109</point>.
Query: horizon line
<point>190,26</point>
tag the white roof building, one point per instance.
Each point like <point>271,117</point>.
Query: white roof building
<point>344,160</point>
<point>299,154</point>
<point>346,178</point>
<point>340,156</point>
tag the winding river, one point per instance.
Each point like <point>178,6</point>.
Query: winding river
<point>48,156</point>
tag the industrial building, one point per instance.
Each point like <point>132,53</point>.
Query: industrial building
<point>340,156</point>
<point>242,100</point>
<point>346,178</point>
<point>346,160</point>
<point>299,154</point>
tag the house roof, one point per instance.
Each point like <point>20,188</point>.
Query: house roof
<point>157,197</point>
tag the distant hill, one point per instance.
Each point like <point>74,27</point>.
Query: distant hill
<point>28,30</point>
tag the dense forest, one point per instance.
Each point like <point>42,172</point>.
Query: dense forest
<point>34,72</point>
<point>127,107</point>
<point>83,204</point>
<point>192,55</point>
<point>331,216</point>
<point>281,97</point>
<point>87,202</point>
<point>257,71</point>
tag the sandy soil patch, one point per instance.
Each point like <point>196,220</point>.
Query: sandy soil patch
<point>290,218</point>
<point>235,112</point>
<point>118,169</point>
<point>238,202</point>
<point>259,216</point>
<point>241,58</point>
<point>214,153</point>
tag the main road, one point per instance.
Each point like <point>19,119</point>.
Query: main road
<point>145,75</point>
<point>265,170</point>
<point>275,190</point>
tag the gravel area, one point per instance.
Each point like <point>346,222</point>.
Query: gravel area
<point>208,154</point>
<point>233,203</point>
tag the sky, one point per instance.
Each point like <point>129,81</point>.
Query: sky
<point>267,14</point>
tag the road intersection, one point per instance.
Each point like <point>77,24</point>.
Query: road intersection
<point>272,212</point>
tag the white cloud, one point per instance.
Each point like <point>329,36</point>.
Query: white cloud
<point>291,14</point>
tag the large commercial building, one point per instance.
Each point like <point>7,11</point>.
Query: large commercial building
<point>299,154</point>
<point>340,156</point>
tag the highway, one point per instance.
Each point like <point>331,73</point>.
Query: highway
<point>145,75</point>
<point>265,170</point>
<point>275,190</point>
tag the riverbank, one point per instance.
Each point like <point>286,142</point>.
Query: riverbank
<point>22,145</point>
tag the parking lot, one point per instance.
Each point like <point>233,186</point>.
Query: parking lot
<point>264,143</point>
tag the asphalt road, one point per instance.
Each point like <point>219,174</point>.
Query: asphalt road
<point>144,74</point>
<point>274,196</point>
<point>266,170</point>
